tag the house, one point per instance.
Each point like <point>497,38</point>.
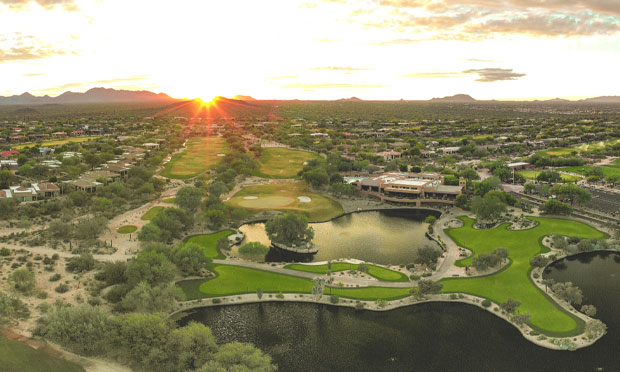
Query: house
<point>449,150</point>
<point>519,165</point>
<point>101,175</point>
<point>118,168</point>
<point>46,190</point>
<point>84,185</point>
<point>389,155</point>
<point>59,134</point>
<point>151,146</point>
<point>11,165</point>
<point>6,154</point>
<point>23,194</point>
<point>46,150</point>
<point>78,133</point>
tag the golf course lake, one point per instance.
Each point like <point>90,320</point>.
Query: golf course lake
<point>426,337</point>
<point>382,237</point>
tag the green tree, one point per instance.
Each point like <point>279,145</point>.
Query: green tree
<point>510,305</point>
<point>595,328</point>
<point>190,258</point>
<point>83,263</point>
<point>146,299</point>
<point>238,357</point>
<point>491,183</point>
<point>6,178</point>
<point>552,206</point>
<point>217,188</point>
<point>153,268</point>
<point>12,308</point>
<point>189,198</point>
<point>189,348</point>
<point>427,255</point>
<point>589,310</point>
<point>539,261</point>
<point>23,280</point>
<point>427,286</point>
<point>488,208</point>
<point>289,229</point>
<point>568,292</point>
<point>572,193</point>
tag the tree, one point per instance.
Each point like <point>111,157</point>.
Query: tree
<point>491,183</point>
<point>153,268</point>
<point>586,245</point>
<point>501,253</point>
<point>613,179</point>
<point>319,287</point>
<point>91,228</point>
<point>572,193</point>
<point>519,319</point>
<point>189,348</point>
<point>83,329</point>
<point>426,286</point>
<point>190,258</point>
<point>12,308</point>
<point>59,229</point>
<point>189,198</point>
<point>488,208</point>
<point>595,328</point>
<point>529,188</point>
<point>431,220</point>
<point>555,207</point>
<point>82,263</point>
<point>146,299</point>
<point>549,177</point>
<point>539,261</point>
<point>589,310</point>
<point>462,202</point>
<point>316,176</point>
<point>23,280</point>
<point>173,220</point>
<point>510,305</point>
<point>484,261</point>
<point>113,273</point>
<point>7,208</point>
<point>253,250</point>
<point>6,178</point>
<point>217,188</point>
<point>427,255</point>
<point>239,357</point>
<point>548,283</point>
<point>289,229</point>
<point>568,292</point>
<point>216,218</point>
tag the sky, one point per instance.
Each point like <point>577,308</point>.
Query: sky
<point>313,49</point>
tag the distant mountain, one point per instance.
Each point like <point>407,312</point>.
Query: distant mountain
<point>240,97</point>
<point>605,99</point>
<point>95,95</point>
<point>555,100</point>
<point>458,98</point>
<point>352,99</point>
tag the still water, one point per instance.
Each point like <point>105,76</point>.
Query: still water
<point>440,337</point>
<point>384,237</point>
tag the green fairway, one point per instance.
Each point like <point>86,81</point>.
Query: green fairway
<point>235,280</point>
<point>377,272</point>
<point>232,280</point>
<point>280,162</point>
<point>514,281</point>
<point>208,243</point>
<point>284,197</point>
<point>17,357</point>
<point>201,154</point>
<point>127,229</point>
<point>608,170</point>
<point>579,149</point>
<point>54,143</point>
<point>151,213</point>
<point>532,174</point>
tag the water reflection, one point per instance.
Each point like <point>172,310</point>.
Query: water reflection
<point>385,237</point>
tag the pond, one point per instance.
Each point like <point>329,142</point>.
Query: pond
<point>427,337</point>
<point>383,237</point>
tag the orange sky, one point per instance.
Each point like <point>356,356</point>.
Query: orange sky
<point>313,49</point>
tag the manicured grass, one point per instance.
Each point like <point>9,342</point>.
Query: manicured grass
<point>283,163</point>
<point>127,229</point>
<point>608,170</point>
<point>378,272</point>
<point>55,143</point>
<point>201,154</point>
<point>532,174</point>
<point>283,197</point>
<point>232,280</point>
<point>208,243</point>
<point>514,282</point>
<point>369,293</point>
<point>585,147</point>
<point>169,200</point>
<point>151,213</point>
<point>235,280</point>
<point>17,357</point>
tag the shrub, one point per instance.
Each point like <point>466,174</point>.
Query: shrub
<point>5,252</point>
<point>83,263</point>
<point>486,303</point>
<point>253,249</point>
<point>55,278</point>
<point>334,299</point>
<point>62,288</point>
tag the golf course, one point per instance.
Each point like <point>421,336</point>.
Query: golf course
<point>208,243</point>
<point>294,197</point>
<point>201,153</point>
<point>514,281</point>
<point>277,162</point>
<point>375,271</point>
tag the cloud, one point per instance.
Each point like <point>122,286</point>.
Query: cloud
<point>33,74</point>
<point>68,5</point>
<point>485,75</point>
<point>28,52</point>
<point>282,77</point>
<point>488,75</point>
<point>339,68</point>
<point>481,60</point>
<point>346,86</point>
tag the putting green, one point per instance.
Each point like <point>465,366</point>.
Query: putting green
<point>284,197</point>
<point>283,163</point>
<point>208,243</point>
<point>267,202</point>
<point>201,154</point>
<point>514,281</point>
<point>127,229</point>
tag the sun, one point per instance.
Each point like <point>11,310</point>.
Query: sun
<point>208,101</point>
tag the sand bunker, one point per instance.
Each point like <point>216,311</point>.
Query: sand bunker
<point>267,202</point>
<point>250,197</point>
<point>221,155</point>
<point>304,199</point>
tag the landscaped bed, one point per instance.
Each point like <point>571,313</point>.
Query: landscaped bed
<point>514,281</point>
<point>151,213</point>
<point>127,229</point>
<point>378,272</point>
<point>232,280</point>
<point>282,162</point>
<point>201,154</point>
<point>284,197</point>
<point>208,243</point>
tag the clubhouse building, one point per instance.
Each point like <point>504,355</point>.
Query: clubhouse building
<point>409,188</point>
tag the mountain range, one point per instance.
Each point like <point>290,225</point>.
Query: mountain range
<point>94,95</point>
